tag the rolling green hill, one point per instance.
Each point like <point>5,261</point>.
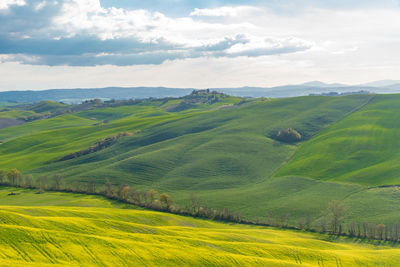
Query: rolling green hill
<point>47,106</point>
<point>225,153</point>
<point>60,229</point>
<point>363,148</point>
<point>250,123</point>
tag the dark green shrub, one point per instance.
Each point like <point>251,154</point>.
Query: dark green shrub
<point>288,136</point>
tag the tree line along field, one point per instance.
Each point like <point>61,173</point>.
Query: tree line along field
<point>224,152</point>
<point>64,229</point>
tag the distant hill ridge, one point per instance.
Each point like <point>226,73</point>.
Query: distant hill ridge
<point>78,95</point>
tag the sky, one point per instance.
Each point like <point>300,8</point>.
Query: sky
<point>196,43</point>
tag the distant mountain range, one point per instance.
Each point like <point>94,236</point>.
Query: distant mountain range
<point>314,87</point>
<point>79,95</point>
<point>383,83</point>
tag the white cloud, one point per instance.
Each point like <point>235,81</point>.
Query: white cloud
<point>82,32</point>
<point>40,5</point>
<point>87,16</point>
<point>5,4</point>
<point>263,46</point>
<point>226,46</point>
<point>224,11</point>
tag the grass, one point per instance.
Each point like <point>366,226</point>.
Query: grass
<point>363,148</point>
<point>224,156</point>
<point>47,106</point>
<point>42,126</point>
<point>30,197</point>
<point>72,235</point>
<point>302,197</point>
<point>15,113</point>
<point>206,138</point>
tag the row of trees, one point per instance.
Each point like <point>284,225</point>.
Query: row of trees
<point>332,221</point>
<point>163,202</point>
<point>15,178</point>
<point>150,199</point>
<point>55,182</point>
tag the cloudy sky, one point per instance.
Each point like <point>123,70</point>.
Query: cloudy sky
<point>196,43</point>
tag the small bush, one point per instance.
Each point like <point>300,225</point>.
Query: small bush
<point>289,135</point>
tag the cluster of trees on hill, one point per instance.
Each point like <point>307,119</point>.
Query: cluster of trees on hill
<point>198,97</point>
<point>332,222</point>
<point>37,116</point>
<point>101,144</point>
<point>290,135</point>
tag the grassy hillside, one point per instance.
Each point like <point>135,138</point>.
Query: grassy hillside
<point>198,150</point>
<point>14,113</point>
<point>42,142</point>
<point>47,106</point>
<point>66,234</point>
<point>363,148</point>
<point>300,197</point>
<point>226,156</point>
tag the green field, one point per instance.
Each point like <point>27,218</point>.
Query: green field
<point>76,230</point>
<point>363,148</point>
<point>220,150</point>
<point>224,153</point>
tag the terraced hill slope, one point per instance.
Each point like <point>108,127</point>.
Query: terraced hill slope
<point>54,229</point>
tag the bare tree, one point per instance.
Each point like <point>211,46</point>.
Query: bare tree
<point>284,219</point>
<point>351,229</point>
<point>77,186</point>
<point>108,188</point>
<point>358,229</point>
<point>29,181</point>
<point>14,177</point>
<point>365,229</point>
<point>307,224</point>
<point>336,211</point>
<point>42,182</point>
<point>3,175</point>
<point>194,203</point>
<point>268,219</point>
<point>322,224</point>
<point>91,187</point>
<point>396,232</point>
<point>57,181</point>
<point>379,229</point>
